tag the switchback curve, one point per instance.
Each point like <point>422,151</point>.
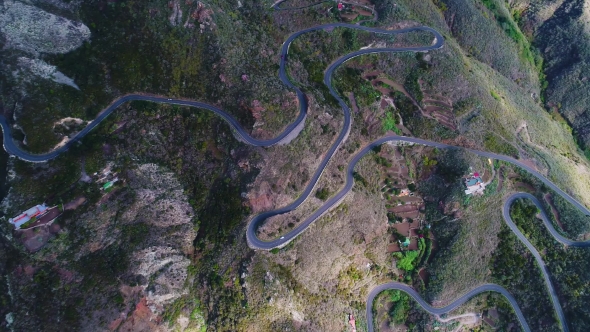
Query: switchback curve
<point>442,310</point>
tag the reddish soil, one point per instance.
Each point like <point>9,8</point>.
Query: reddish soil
<point>350,16</point>
<point>34,239</point>
<point>461,141</point>
<point>383,308</point>
<point>487,175</point>
<point>370,74</point>
<point>261,203</point>
<point>432,95</point>
<point>410,214</point>
<point>411,199</point>
<point>392,84</point>
<point>29,270</point>
<point>75,203</point>
<point>439,108</point>
<point>433,109</point>
<point>384,91</point>
<point>120,126</point>
<point>106,197</point>
<point>142,319</point>
<point>445,120</point>
<point>65,275</point>
<point>436,102</point>
<point>413,244</point>
<point>54,228</point>
<point>404,208</point>
<point>404,227</point>
<point>405,172</point>
<point>363,12</point>
<point>256,109</point>
<point>114,325</point>
<point>490,322</point>
<point>393,247</point>
<point>352,100</point>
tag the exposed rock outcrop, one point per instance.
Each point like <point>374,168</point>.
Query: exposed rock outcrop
<point>40,68</point>
<point>35,31</point>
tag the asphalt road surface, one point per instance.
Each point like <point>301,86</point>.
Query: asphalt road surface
<point>241,134</point>
<point>443,310</point>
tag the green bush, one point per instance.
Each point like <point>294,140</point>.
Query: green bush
<point>323,193</point>
<point>401,305</point>
<point>390,121</point>
<point>406,259</point>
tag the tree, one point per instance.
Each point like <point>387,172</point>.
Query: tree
<point>322,194</point>
<point>406,262</point>
<point>400,308</point>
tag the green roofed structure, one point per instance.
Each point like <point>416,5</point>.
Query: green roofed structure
<point>406,243</point>
<point>109,184</point>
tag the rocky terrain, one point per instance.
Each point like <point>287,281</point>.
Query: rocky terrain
<point>42,69</point>
<point>146,226</point>
<point>164,249</point>
<point>560,29</point>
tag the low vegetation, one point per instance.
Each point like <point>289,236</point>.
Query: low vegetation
<point>515,269</point>
<point>567,267</point>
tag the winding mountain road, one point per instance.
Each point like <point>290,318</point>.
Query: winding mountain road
<point>443,310</point>
<point>295,127</point>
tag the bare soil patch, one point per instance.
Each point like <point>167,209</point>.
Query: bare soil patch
<point>393,247</point>
<point>363,12</point>
<point>404,227</point>
<point>34,239</point>
<point>438,107</point>
<point>75,203</point>
<point>382,316</point>
<point>350,16</point>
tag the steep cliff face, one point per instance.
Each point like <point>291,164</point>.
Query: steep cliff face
<point>561,31</point>
<point>565,43</point>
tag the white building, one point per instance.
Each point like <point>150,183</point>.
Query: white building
<point>31,213</point>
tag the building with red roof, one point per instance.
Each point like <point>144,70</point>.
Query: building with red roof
<point>30,214</point>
